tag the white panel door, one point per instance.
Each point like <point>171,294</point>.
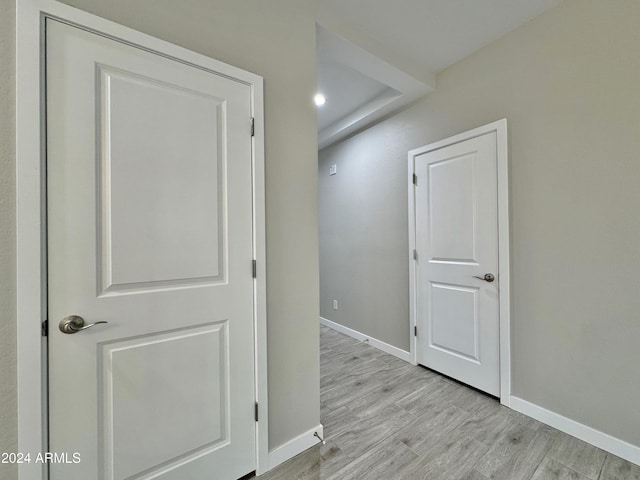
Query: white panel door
<point>150,230</point>
<point>457,241</point>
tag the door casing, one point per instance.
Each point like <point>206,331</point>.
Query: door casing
<point>31,301</point>
<point>500,127</point>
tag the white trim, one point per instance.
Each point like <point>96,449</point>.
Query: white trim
<point>379,344</point>
<point>413,272</point>
<point>504,260</point>
<point>30,223</point>
<point>500,127</point>
<point>590,435</point>
<point>295,446</point>
<point>260,291</point>
<point>31,389</point>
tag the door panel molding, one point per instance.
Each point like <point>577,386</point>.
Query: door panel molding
<point>31,213</point>
<point>500,129</point>
<point>209,428</point>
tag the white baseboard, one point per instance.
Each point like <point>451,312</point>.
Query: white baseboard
<point>590,435</point>
<point>385,347</point>
<point>294,447</point>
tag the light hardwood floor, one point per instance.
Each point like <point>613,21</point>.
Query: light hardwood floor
<point>387,420</point>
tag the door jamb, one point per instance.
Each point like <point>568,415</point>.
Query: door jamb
<point>31,215</point>
<point>500,127</point>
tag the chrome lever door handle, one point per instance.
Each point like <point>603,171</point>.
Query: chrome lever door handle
<point>488,277</point>
<point>74,323</point>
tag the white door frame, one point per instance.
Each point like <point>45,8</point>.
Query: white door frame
<point>500,128</point>
<point>31,215</point>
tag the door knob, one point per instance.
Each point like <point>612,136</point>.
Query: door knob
<point>488,277</point>
<point>74,323</point>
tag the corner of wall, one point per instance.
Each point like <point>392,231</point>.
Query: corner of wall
<point>8,368</point>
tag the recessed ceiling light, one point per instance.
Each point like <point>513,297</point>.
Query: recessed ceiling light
<point>319,99</point>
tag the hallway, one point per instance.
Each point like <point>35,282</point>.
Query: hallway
<point>386,419</point>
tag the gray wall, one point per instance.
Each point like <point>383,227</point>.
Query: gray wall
<point>568,84</point>
<point>363,235</point>
<point>8,409</point>
<point>266,38</point>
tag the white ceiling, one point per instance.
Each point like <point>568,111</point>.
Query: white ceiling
<point>359,87</point>
<point>416,37</point>
<point>348,89</point>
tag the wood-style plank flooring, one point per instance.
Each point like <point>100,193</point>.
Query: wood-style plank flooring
<point>387,420</point>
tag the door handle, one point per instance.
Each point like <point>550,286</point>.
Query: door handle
<point>488,277</point>
<point>74,323</point>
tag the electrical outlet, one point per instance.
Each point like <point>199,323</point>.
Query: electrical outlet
<point>335,304</point>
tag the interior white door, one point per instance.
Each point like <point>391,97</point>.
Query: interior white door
<point>457,303</point>
<point>150,230</point>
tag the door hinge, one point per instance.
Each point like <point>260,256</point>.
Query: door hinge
<point>45,328</point>
<point>415,331</point>
<point>254,268</point>
<point>256,411</point>
<point>253,126</point>
<point>415,255</point>
<point>415,179</point>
